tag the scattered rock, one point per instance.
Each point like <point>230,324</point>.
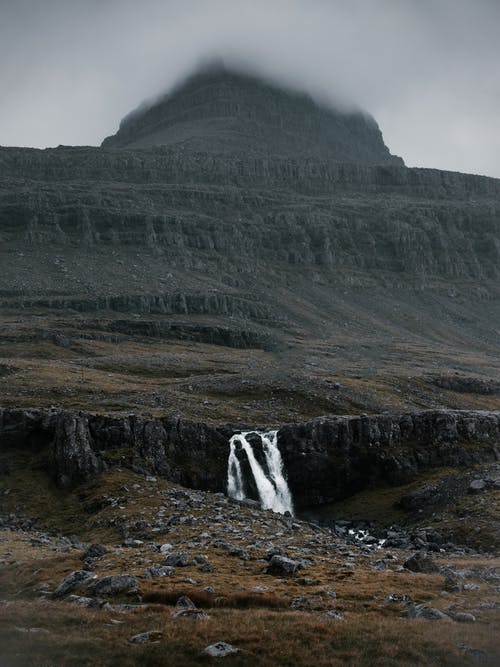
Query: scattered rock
<point>477,485</point>
<point>207,568</point>
<point>95,551</point>
<point>463,617</point>
<point>422,611</point>
<point>420,562</point>
<point>145,637</point>
<point>220,650</point>
<point>280,565</point>
<point>185,603</point>
<point>43,631</point>
<point>114,584</point>
<point>398,597</point>
<point>197,614</point>
<point>159,571</point>
<point>72,581</point>
<point>177,559</point>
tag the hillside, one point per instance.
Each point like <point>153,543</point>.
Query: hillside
<point>244,293</point>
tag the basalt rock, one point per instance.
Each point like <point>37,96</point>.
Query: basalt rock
<point>325,459</point>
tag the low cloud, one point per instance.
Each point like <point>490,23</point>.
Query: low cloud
<point>428,70</point>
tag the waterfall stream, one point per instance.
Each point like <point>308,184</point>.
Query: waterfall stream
<point>272,487</point>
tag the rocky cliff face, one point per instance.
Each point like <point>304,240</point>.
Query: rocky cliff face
<point>330,458</point>
<point>325,459</point>
<point>315,250</point>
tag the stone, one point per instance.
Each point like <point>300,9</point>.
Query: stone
<point>145,637</point>
<point>185,603</point>
<point>220,650</point>
<point>114,584</point>
<point>72,581</point>
<point>207,567</point>
<point>197,614</point>
<point>398,597</point>
<point>239,553</point>
<point>420,562</point>
<point>159,571</point>
<point>177,559</point>
<point>95,551</point>
<point>464,617</point>
<point>281,565</point>
<point>85,601</point>
<point>430,613</point>
<point>477,485</point>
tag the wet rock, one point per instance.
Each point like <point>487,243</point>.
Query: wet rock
<point>72,581</point>
<point>114,584</point>
<point>185,603</point>
<point>220,650</point>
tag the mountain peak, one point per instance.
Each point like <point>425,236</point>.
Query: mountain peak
<point>219,110</point>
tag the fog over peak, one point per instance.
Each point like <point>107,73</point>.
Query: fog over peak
<point>427,70</point>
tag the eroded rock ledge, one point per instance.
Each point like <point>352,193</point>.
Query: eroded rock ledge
<point>326,459</point>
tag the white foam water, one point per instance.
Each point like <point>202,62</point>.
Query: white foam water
<point>273,490</point>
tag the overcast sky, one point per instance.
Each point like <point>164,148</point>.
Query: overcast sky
<point>428,70</point>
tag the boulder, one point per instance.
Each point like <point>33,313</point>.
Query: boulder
<point>114,584</point>
<point>281,565</point>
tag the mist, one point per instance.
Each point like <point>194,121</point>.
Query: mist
<point>427,70</point>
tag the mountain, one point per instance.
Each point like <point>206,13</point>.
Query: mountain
<point>222,111</point>
<point>242,292</point>
<point>244,272</point>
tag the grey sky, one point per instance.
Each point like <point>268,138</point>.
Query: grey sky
<point>428,70</point>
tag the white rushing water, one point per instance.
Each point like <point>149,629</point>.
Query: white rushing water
<point>273,489</point>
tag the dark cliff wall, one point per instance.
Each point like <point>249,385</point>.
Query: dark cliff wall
<point>330,458</point>
<point>325,459</point>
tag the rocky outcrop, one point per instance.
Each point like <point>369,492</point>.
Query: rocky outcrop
<point>325,459</point>
<point>330,458</point>
<point>74,459</point>
<point>79,446</point>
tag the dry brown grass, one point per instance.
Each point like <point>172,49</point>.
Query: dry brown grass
<point>79,637</point>
<point>261,622</point>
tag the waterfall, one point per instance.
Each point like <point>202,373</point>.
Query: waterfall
<point>234,477</point>
<point>273,490</point>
